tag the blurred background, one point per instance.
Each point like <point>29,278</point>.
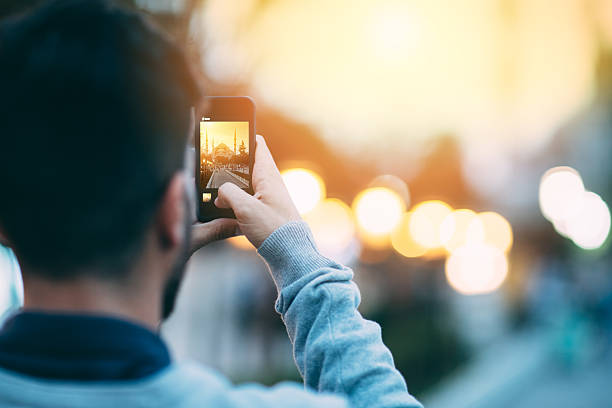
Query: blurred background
<point>456,154</point>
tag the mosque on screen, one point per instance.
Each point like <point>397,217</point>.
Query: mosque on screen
<point>221,150</point>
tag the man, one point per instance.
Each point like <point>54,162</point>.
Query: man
<point>95,111</point>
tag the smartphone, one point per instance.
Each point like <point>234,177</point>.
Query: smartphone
<point>225,147</point>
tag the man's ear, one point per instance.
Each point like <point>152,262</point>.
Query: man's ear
<point>171,216</point>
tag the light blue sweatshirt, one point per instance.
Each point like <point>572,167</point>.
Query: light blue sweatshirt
<point>339,354</point>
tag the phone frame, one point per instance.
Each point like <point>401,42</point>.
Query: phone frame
<point>223,109</point>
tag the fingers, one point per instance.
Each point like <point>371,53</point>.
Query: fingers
<point>204,234</point>
<point>264,163</point>
<point>232,196</point>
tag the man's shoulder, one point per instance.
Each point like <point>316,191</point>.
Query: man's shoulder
<point>182,385</point>
<point>179,385</point>
<point>191,373</point>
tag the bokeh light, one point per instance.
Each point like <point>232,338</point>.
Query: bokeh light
<point>497,230</point>
<point>306,188</point>
<point>378,210</point>
<point>402,240</point>
<point>561,192</point>
<point>561,227</point>
<point>426,221</point>
<point>590,227</point>
<point>332,225</point>
<point>394,184</point>
<point>460,228</point>
<point>476,269</point>
<point>577,214</point>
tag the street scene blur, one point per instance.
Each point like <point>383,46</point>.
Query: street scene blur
<point>220,163</point>
<point>456,154</point>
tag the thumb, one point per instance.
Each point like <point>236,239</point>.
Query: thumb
<point>232,196</point>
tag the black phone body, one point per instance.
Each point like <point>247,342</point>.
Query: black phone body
<point>225,151</point>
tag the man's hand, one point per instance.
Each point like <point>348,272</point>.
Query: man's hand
<point>271,207</point>
<point>203,234</point>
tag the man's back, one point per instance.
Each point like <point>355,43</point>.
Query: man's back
<point>337,351</point>
<point>183,386</point>
<point>106,362</point>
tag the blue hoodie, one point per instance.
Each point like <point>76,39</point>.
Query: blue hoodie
<point>339,354</point>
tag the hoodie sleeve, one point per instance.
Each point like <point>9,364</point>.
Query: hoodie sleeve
<point>336,350</point>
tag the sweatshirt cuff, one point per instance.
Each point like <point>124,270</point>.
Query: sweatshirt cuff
<point>291,253</point>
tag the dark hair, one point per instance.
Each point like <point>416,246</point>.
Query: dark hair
<point>94,115</point>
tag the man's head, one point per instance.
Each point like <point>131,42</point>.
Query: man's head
<point>94,117</point>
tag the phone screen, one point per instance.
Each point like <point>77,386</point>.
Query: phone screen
<point>224,155</point>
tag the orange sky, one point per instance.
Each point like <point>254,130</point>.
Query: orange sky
<point>223,132</point>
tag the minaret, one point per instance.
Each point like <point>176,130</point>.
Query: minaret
<point>234,141</point>
<point>206,141</point>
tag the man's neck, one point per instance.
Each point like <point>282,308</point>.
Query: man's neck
<point>87,295</point>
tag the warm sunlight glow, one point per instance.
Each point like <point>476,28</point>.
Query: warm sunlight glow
<point>332,225</point>
<point>426,222</point>
<point>467,66</point>
<point>497,230</point>
<point>378,210</point>
<point>476,269</point>
<point>561,192</point>
<point>306,188</point>
<point>590,227</point>
<point>402,241</point>
<point>394,31</point>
